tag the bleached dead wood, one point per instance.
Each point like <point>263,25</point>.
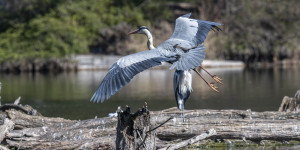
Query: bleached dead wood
<point>3,148</point>
<point>38,132</point>
<point>190,141</point>
<point>7,127</point>
<point>134,130</point>
<point>58,133</point>
<point>290,103</point>
<point>230,124</point>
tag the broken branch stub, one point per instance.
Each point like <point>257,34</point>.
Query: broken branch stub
<point>132,130</point>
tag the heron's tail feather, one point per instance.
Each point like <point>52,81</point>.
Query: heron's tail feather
<point>191,59</point>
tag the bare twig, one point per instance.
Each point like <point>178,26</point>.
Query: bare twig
<point>153,130</point>
<point>190,141</point>
<point>160,125</point>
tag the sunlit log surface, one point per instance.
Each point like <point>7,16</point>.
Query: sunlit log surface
<point>231,124</point>
<point>31,131</point>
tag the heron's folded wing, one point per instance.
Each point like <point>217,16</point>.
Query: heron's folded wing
<point>190,59</point>
<point>192,30</point>
<point>124,70</point>
<point>176,79</point>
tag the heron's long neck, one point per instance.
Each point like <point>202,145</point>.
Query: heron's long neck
<point>150,40</point>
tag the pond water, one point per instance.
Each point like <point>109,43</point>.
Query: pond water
<point>67,94</point>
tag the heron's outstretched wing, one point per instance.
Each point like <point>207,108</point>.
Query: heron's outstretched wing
<point>192,30</point>
<point>124,70</point>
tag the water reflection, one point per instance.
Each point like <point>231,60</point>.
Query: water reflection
<point>67,94</point>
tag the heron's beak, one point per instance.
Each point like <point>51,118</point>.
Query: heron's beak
<point>133,32</point>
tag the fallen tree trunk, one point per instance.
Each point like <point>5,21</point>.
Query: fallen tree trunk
<point>230,124</point>
<point>22,127</point>
<point>56,133</point>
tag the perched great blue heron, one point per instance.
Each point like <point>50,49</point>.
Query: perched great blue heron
<point>182,50</point>
<point>182,81</point>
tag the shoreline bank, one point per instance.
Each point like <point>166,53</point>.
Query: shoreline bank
<point>104,62</point>
<point>91,62</point>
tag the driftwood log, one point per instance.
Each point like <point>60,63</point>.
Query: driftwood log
<point>22,127</point>
<point>38,132</point>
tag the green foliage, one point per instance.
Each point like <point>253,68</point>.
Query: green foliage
<point>66,29</point>
<point>15,11</point>
<point>258,30</point>
<point>253,30</point>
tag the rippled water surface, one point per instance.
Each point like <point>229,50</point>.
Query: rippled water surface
<point>67,94</point>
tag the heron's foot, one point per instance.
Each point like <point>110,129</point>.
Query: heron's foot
<point>217,79</point>
<point>213,87</point>
<point>182,115</point>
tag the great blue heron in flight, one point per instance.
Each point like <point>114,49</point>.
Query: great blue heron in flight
<point>182,50</point>
<point>182,81</point>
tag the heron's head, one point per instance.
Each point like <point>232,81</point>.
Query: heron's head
<point>140,30</point>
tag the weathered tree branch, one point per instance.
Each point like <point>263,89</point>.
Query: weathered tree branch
<point>190,141</point>
<point>290,103</point>
<point>7,127</point>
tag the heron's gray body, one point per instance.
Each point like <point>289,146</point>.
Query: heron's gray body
<point>182,87</point>
<point>182,49</point>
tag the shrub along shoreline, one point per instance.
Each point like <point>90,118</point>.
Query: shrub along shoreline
<point>36,30</point>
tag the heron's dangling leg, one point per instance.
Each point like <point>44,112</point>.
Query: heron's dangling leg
<point>216,78</point>
<point>182,115</point>
<point>211,85</point>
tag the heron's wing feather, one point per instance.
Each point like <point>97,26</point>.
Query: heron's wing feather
<point>191,59</point>
<point>176,79</point>
<point>187,15</point>
<point>192,30</point>
<point>124,70</point>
